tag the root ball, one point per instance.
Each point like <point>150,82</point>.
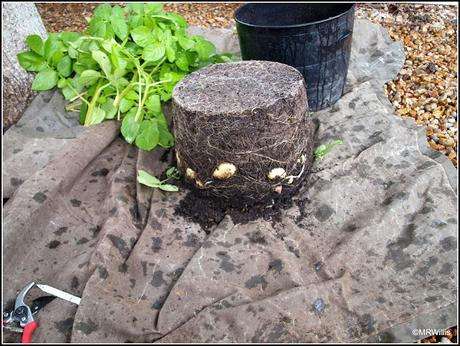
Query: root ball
<point>242,128</point>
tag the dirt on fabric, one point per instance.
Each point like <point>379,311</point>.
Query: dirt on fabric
<point>201,207</point>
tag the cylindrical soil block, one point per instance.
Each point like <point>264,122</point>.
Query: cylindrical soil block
<point>243,130</point>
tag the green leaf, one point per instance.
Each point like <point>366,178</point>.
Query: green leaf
<point>165,95</point>
<point>171,52</point>
<point>68,93</point>
<point>97,27</point>
<point>69,36</point>
<point>65,66</point>
<point>178,20</point>
<point>132,95</point>
<point>118,22</point>
<point>166,138</point>
<point>205,49</point>
<point>168,188</point>
<point>62,83</point>
<point>103,61</point>
<point>145,178</point>
<point>72,52</point>
<point>135,21</point>
<point>117,60</point>
<point>89,77</point>
<point>322,150</point>
<point>31,61</point>
<point>103,11</point>
<point>153,104</point>
<point>100,27</point>
<point>186,42</point>
<point>52,49</point>
<point>79,68</point>
<point>173,77</point>
<point>72,88</point>
<point>56,58</point>
<point>107,45</point>
<point>119,73</point>
<point>173,173</point>
<point>83,110</point>
<point>97,117</point>
<point>135,7</point>
<point>130,128</point>
<point>192,57</point>
<point>101,99</point>
<point>148,136</point>
<point>35,43</point>
<point>119,82</point>
<point>161,118</point>
<point>142,36</point>
<point>226,57</point>
<point>151,8</point>
<point>109,108</point>
<point>182,63</point>
<point>76,84</point>
<point>87,61</point>
<point>45,80</point>
<point>125,105</point>
<point>153,52</point>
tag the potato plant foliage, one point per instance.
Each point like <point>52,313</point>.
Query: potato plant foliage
<point>123,66</point>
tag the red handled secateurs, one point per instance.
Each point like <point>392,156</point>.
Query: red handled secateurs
<point>23,314</point>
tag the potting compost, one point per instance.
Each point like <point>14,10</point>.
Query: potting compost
<point>366,252</point>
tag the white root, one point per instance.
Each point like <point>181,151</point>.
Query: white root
<point>291,178</point>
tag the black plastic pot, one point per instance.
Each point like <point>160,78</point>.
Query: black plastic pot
<point>314,38</point>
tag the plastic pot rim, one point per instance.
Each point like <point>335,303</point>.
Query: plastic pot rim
<point>353,5</point>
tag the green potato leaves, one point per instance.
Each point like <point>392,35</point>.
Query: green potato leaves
<point>124,66</point>
<point>323,149</point>
<point>146,179</point>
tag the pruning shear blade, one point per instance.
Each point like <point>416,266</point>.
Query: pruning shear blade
<point>60,294</point>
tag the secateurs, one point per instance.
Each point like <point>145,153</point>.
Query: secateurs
<point>23,314</point>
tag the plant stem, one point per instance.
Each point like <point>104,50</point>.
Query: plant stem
<point>93,102</point>
<point>141,103</point>
<point>71,107</point>
<point>158,65</point>
<point>123,93</point>
<point>79,96</point>
<point>138,112</point>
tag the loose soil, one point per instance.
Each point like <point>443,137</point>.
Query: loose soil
<point>206,210</point>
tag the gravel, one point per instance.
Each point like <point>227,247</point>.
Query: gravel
<point>426,87</point>
<point>71,16</point>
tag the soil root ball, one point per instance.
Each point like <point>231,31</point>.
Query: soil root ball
<point>243,129</point>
